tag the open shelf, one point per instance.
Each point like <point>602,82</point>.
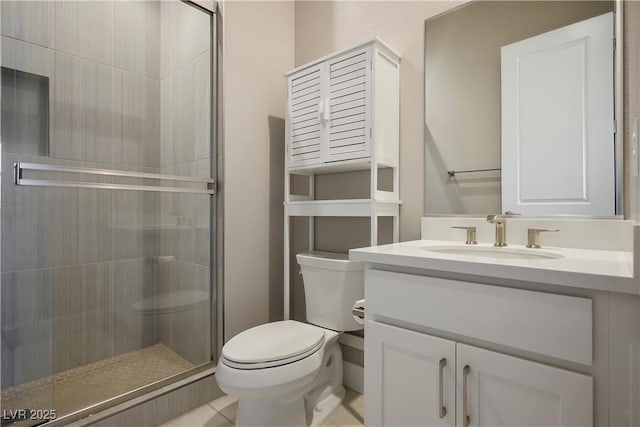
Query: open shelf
<point>347,207</point>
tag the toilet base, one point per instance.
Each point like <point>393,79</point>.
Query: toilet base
<point>271,413</point>
<point>325,408</point>
<point>287,414</point>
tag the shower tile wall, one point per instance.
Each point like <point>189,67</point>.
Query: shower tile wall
<point>185,85</point>
<point>128,89</point>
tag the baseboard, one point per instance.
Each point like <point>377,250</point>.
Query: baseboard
<point>351,340</point>
<point>353,376</point>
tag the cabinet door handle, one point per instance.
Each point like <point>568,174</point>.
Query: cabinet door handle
<point>326,110</point>
<point>442,408</point>
<point>465,397</point>
<point>321,111</point>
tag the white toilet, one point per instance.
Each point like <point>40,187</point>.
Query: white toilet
<point>289,373</point>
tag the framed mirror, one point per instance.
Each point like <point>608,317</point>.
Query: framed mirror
<point>521,101</point>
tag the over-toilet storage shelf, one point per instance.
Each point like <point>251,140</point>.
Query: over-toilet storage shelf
<point>343,116</point>
<point>346,207</point>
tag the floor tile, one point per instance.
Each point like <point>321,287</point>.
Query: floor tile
<point>227,406</point>
<point>203,416</point>
<point>351,412</point>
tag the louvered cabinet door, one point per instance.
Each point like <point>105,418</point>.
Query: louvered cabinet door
<point>349,95</point>
<point>306,128</point>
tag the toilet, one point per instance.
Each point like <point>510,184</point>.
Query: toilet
<point>289,373</point>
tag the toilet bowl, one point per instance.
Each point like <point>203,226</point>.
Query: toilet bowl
<point>289,373</point>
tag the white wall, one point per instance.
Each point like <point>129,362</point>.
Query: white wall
<point>325,26</point>
<point>258,42</point>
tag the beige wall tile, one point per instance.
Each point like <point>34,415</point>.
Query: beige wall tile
<point>131,283</point>
<point>140,121</point>
<point>65,226</point>
<point>183,114</point>
<point>95,225</point>
<point>168,11</point>
<point>166,122</point>
<point>185,34</point>
<point>202,107</point>
<point>31,21</point>
<point>97,312</point>
<point>116,115</point>
<point>27,57</point>
<point>85,29</point>
<point>34,59</point>
<point>27,235</point>
<point>67,348</point>
<point>98,104</point>
<point>68,129</point>
<point>27,342</point>
<point>137,37</point>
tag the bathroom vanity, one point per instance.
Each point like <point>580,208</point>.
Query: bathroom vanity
<point>473,335</point>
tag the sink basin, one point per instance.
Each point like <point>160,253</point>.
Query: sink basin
<point>493,252</point>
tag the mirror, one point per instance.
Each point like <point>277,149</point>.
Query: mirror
<point>490,135</point>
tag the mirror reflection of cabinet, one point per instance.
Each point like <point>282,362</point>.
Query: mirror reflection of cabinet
<point>463,97</point>
<point>558,121</point>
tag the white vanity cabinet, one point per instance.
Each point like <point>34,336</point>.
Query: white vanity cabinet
<point>344,107</point>
<point>412,379</point>
<point>419,356</point>
<point>409,378</point>
<point>495,389</point>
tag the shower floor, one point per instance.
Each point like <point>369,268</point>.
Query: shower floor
<point>71,390</point>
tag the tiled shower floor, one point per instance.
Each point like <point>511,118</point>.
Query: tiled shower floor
<point>76,388</point>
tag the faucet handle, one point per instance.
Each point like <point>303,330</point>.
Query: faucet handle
<point>471,234</point>
<point>533,236</point>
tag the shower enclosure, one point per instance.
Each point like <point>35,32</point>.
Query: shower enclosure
<point>108,202</point>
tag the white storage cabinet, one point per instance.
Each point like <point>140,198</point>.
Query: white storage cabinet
<point>343,115</point>
<point>344,108</point>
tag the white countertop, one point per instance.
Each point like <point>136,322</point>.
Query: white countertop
<point>603,270</point>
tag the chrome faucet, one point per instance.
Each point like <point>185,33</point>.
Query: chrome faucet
<point>501,229</point>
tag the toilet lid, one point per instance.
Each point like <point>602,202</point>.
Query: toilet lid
<point>272,342</point>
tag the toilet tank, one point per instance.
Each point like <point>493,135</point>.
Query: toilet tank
<point>332,284</point>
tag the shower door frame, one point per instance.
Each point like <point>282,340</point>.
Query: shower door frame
<point>135,397</point>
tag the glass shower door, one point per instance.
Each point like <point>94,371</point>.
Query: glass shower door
<point>107,189</point>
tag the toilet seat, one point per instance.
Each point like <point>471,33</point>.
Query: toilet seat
<point>273,344</point>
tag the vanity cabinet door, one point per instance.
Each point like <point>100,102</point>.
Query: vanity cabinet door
<point>498,390</point>
<point>409,378</point>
